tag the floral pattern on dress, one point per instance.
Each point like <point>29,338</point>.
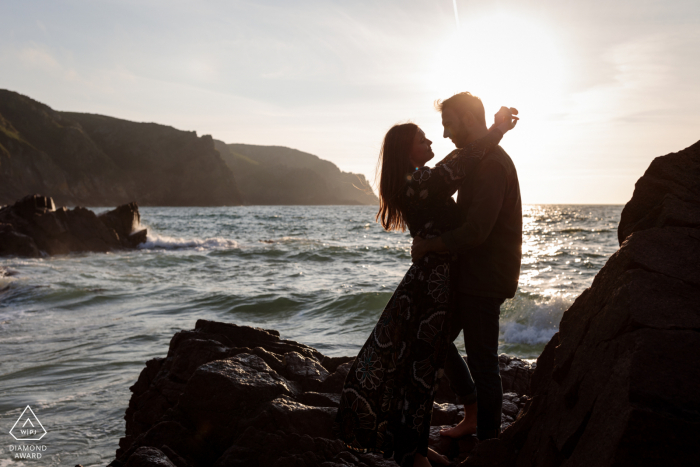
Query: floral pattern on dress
<point>369,371</point>
<point>431,328</point>
<point>439,283</point>
<point>385,328</point>
<point>387,398</point>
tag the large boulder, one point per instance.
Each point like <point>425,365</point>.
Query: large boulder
<point>228,395</point>
<point>619,383</point>
<point>33,226</point>
<point>667,195</point>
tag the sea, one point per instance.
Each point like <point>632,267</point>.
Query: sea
<point>76,330</point>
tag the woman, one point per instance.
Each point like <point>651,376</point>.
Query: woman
<point>387,399</point>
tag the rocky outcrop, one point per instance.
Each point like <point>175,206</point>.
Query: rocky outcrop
<point>92,160</point>
<point>280,175</point>
<point>668,195</point>
<point>33,226</point>
<point>618,384</point>
<point>228,395</point>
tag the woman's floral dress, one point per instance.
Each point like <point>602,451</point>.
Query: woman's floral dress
<point>387,399</point>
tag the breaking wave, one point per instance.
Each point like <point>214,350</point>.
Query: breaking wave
<point>532,321</point>
<point>163,242</point>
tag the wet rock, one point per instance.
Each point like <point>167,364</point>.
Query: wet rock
<point>446,414</point>
<point>33,226</point>
<point>305,370</point>
<point>515,374</point>
<point>149,457</point>
<point>334,383</point>
<point>13,243</point>
<point>229,395</point>
<point>618,384</point>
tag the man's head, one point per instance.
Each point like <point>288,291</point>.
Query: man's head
<point>463,118</point>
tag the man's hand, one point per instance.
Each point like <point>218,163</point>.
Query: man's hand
<point>506,115</point>
<point>422,247</point>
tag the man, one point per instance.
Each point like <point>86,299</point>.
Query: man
<point>488,245</point>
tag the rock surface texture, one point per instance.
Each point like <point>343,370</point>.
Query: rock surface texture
<point>33,227</point>
<point>228,395</point>
<point>618,385</point>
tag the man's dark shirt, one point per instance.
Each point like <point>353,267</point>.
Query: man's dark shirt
<point>489,242</point>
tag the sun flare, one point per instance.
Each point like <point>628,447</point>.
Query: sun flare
<point>505,60</point>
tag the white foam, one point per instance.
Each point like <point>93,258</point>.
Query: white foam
<point>163,242</point>
<point>532,321</point>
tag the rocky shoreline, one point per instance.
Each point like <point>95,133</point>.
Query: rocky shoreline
<point>228,395</point>
<point>33,227</point>
<point>616,386</point>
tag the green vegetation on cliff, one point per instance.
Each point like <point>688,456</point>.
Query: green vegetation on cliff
<point>84,159</point>
<point>94,160</point>
<point>280,175</point>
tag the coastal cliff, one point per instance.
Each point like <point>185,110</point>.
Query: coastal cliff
<point>95,160</point>
<point>92,160</point>
<point>279,175</point>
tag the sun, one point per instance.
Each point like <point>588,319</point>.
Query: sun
<point>505,59</point>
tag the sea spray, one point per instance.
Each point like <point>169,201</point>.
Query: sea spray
<point>155,241</point>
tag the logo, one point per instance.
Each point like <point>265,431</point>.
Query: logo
<point>28,427</point>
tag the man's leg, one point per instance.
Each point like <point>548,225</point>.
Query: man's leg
<point>481,330</point>
<point>461,381</point>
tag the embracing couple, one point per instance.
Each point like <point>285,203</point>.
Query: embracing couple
<point>466,262</point>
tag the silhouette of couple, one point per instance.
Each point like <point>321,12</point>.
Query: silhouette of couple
<point>466,262</point>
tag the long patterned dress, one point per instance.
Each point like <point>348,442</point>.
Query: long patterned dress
<point>387,399</point>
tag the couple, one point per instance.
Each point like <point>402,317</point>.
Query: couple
<point>466,262</point>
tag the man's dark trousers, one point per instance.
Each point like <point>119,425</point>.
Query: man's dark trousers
<point>478,318</point>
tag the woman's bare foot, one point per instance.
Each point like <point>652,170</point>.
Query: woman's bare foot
<point>437,457</point>
<point>466,427</point>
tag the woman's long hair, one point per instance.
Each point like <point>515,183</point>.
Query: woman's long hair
<point>392,168</point>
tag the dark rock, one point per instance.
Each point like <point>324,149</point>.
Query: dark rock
<point>149,457</point>
<point>334,383</point>
<point>446,414</point>
<point>231,395</point>
<point>332,363</point>
<point>138,237</point>
<point>515,374</point>
<point>515,377</point>
<point>667,194</point>
<point>33,225</point>
<point>125,220</point>
<point>510,408</point>
<point>618,384</point>
<point>316,399</point>
<point>305,370</point>
<point>13,243</point>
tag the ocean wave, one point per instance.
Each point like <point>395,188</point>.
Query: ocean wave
<point>532,321</point>
<point>163,242</point>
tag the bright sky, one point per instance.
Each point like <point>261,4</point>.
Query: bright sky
<point>602,86</point>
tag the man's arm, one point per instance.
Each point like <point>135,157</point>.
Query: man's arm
<point>489,192</point>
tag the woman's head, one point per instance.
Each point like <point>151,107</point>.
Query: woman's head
<point>405,147</point>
